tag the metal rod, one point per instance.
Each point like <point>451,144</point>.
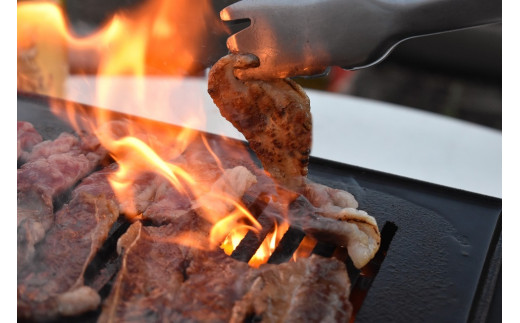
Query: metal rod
<point>287,246</point>
<point>252,241</point>
<point>324,249</point>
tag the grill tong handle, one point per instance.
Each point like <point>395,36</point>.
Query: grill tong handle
<point>304,37</point>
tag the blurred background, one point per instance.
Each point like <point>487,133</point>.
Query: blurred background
<point>456,74</point>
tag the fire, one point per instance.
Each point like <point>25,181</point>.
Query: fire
<point>42,49</point>
<point>305,248</point>
<point>269,244</point>
<point>160,37</point>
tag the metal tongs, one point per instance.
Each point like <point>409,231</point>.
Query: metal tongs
<point>304,37</point>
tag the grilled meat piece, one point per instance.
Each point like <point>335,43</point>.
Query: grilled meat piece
<point>52,168</point>
<point>313,289</point>
<point>157,279</point>
<point>342,226</point>
<point>231,186</point>
<point>168,204</point>
<point>328,198</point>
<point>273,115</point>
<point>53,175</point>
<point>52,283</point>
<point>162,281</point>
<point>27,138</point>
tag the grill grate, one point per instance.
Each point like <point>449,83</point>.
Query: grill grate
<point>361,280</point>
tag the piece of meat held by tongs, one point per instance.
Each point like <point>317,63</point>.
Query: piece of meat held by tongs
<point>304,37</point>
<point>274,116</point>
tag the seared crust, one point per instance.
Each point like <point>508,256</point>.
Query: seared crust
<point>274,116</point>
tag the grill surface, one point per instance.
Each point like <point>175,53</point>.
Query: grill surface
<point>444,258</point>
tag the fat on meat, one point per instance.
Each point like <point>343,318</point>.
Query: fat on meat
<point>332,215</point>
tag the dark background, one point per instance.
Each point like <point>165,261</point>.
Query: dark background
<point>457,74</point>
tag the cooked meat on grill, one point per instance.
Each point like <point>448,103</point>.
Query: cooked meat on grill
<point>143,189</point>
<point>337,204</point>
<point>231,186</point>
<point>200,164</point>
<point>273,115</point>
<point>52,283</point>
<point>28,137</point>
<point>65,143</point>
<point>161,281</point>
<point>52,168</point>
<point>168,204</point>
<point>162,278</point>
<point>53,175</point>
<point>348,227</point>
<point>328,198</point>
<point>149,286</point>
<point>313,289</point>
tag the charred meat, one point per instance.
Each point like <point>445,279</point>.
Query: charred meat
<point>313,289</point>
<point>274,116</point>
<point>343,226</point>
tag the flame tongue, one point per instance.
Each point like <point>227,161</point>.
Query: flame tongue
<point>159,37</point>
<point>269,244</point>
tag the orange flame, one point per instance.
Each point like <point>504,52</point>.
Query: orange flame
<point>265,250</point>
<point>305,248</point>
<point>158,37</point>
<point>268,245</point>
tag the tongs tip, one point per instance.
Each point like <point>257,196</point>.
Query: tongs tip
<point>271,38</point>
<point>231,44</point>
<point>235,11</point>
<point>225,14</point>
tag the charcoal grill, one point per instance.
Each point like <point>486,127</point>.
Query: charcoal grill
<point>440,258</point>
